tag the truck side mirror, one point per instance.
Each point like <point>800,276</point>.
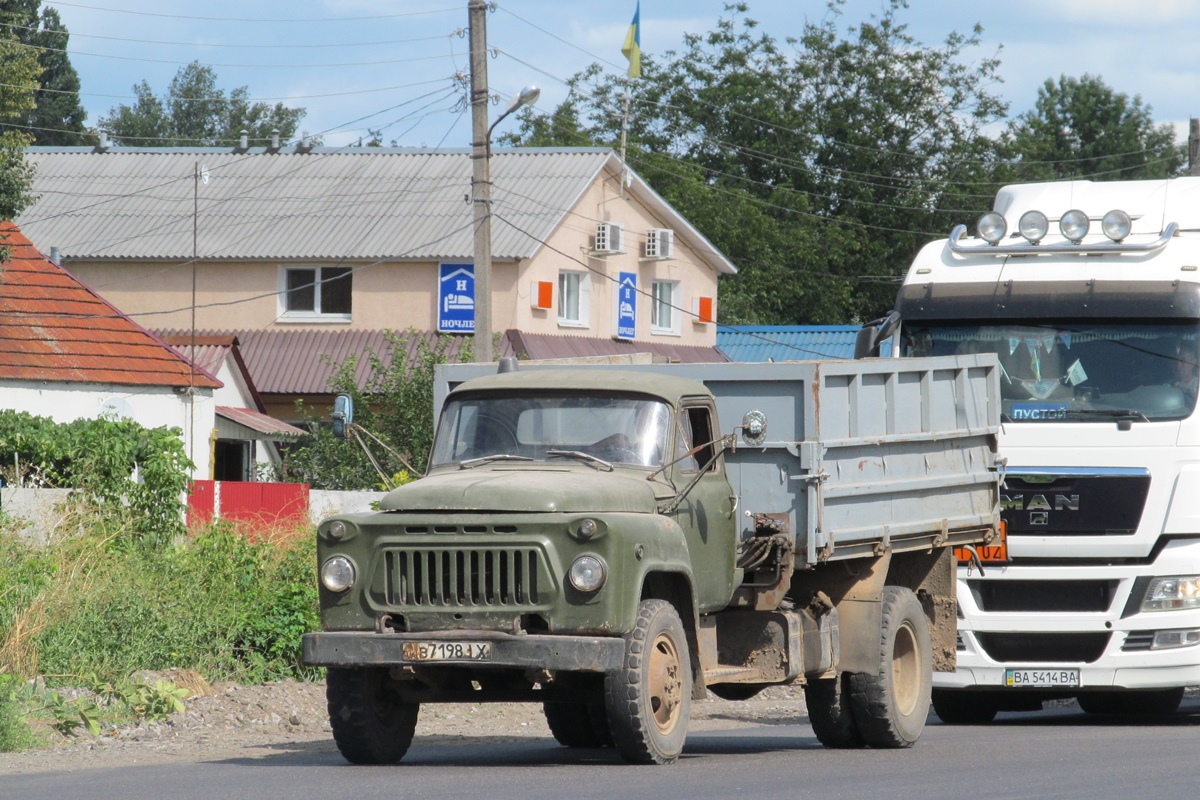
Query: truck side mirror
<point>343,414</point>
<point>866,344</point>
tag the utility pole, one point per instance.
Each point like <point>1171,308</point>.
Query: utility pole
<point>481,188</point>
<point>1194,147</point>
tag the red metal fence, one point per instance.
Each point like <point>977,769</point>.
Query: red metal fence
<point>257,506</point>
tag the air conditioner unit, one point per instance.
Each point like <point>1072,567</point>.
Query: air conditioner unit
<point>660,243</point>
<point>610,238</point>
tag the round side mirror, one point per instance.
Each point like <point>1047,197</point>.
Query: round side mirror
<point>754,428</point>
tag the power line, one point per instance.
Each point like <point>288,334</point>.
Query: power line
<point>268,20</point>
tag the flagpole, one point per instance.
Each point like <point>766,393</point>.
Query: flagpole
<point>624,131</point>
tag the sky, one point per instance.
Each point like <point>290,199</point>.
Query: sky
<point>390,65</point>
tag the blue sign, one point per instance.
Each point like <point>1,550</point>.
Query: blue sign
<point>456,298</point>
<point>626,304</point>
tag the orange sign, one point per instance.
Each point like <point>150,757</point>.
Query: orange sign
<point>995,552</point>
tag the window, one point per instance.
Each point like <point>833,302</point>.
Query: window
<point>664,309</point>
<point>573,299</point>
<point>315,292</point>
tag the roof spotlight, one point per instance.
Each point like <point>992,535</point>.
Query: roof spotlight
<point>991,227</point>
<point>1116,225</point>
<point>1033,226</point>
<point>1074,225</point>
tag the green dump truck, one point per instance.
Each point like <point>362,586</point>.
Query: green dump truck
<point>613,543</point>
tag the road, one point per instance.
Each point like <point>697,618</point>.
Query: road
<point>1057,753</point>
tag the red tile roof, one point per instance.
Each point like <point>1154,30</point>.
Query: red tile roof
<point>53,328</point>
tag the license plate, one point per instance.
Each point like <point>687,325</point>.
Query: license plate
<point>447,651</point>
<point>1041,678</point>
<point>995,552</point>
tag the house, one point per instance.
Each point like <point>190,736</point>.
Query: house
<point>67,354</point>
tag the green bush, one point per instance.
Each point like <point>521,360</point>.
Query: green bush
<point>15,733</point>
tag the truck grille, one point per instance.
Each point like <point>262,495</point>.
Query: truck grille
<point>1074,502</point>
<point>1044,648</point>
<point>465,577</point>
<point>1042,596</point>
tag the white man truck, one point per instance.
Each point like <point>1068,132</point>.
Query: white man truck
<point>1089,294</point>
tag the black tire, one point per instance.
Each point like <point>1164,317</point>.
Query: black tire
<point>649,699</point>
<point>891,705</point>
<point>1147,702</point>
<point>736,691</point>
<point>964,708</point>
<point>371,724</point>
<point>830,714</point>
<point>571,724</point>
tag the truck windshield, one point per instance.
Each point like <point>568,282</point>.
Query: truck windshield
<point>1082,371</point>
<point>548,427</point>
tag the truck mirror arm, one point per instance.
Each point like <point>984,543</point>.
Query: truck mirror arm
<point>357,430</point>
<point>674,502</point>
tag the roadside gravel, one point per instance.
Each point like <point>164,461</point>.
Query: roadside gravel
<point>234,721</point>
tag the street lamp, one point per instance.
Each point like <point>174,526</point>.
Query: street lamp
<point>482,183</point>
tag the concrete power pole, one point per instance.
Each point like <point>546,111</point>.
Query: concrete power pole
<point>481,187</point>
<point>1194,147</point>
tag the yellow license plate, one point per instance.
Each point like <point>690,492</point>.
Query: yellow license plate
<point>447,651</point>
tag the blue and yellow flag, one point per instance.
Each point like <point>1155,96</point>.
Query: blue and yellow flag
<point>633,44</point>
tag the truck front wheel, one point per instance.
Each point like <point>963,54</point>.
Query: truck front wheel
<point>649,699</point>
<point>371,723</point>
<point>830,714</point>
<point>578,724</point>
<point>890,706</point>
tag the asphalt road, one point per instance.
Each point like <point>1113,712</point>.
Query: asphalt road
<point>1052,754</point>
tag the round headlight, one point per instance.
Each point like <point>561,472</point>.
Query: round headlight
<point>337,530</point>
<point>1033,226</point>
<point>1116,225</point>
<point>1074,225</point>
<point>991,227</point>
<point>587,573</point>
<point>337,574</point>
<point>587,528</point>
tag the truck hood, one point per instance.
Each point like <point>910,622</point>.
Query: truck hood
<point>524,490</point>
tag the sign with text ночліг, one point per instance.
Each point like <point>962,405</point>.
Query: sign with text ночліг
<point>456,298</point>
<point>625,306</point>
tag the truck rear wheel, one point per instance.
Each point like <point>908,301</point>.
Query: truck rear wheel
<point>964,708</point>
<point>890,706</point>
<point>371,723</point>
<point>649,699</point>
<point>578,724</point>
<point>830,714</point>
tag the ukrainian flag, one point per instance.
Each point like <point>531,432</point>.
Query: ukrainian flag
<point>633,43</point>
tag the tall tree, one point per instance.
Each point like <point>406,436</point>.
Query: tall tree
<point>1082,128</point>
<point>18,81</point>
<point>57,115</point>
<point>195,112</point>
<point>818,164</point>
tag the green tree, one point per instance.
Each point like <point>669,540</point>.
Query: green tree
<point>1082,128</point>
<point>818,165</point>
<point>57,115</point>
<point>195,112</point>
<point>395,404</point>
<point>18,82</point>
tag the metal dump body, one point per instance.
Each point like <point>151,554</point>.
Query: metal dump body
<point>858,455</point>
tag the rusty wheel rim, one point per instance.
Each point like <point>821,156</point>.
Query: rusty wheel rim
<point>906,670</point>
<point>664,684</point>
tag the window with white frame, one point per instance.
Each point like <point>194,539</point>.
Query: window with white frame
<point>573,296</point>
<point>316,293</point>
<point>664,307</point>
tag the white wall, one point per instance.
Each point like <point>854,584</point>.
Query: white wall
<point>151,406</point>
<point>324,503</point>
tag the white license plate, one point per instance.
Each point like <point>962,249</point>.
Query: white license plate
<point>447,651</point>
<point>1041,678</point>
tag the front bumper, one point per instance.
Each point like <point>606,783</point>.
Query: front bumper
<point>508,651</point>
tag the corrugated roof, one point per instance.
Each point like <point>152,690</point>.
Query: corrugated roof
<point>786,342</point>
<point>272,428</point>
<point>53,328</point>
<point>301,362</point>
<point>358,203</point>
<point>364,203</point>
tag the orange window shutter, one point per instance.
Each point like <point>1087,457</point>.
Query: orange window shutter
<point>704,309</point>
<point>543,294</point>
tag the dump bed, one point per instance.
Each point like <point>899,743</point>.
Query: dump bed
<point>858,455</point>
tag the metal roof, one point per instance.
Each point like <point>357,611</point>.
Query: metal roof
<point>360,204</point>
<point>251,424</point>
<point>786,342</point>
<point>301,362</point>
<point>53,328</point>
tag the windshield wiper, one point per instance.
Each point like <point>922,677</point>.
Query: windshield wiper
<point>582,456</point>
<point>1105,413</point>
<point>475,462</point>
